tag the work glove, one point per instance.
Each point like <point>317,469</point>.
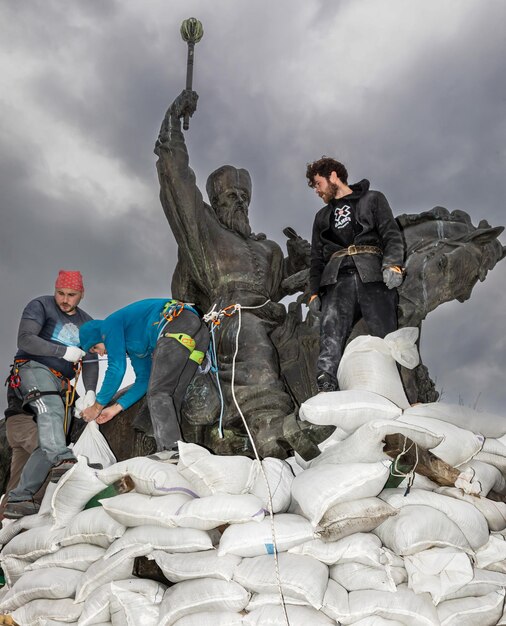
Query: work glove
<point>73,354</point>
<point>392,277</point>
<point>315,305</point>
<point>83,403</point>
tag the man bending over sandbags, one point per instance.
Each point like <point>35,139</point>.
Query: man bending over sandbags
<point>166,341</point>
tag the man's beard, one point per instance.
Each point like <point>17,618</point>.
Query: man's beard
<point>235,218</point>
<point>329,193</point>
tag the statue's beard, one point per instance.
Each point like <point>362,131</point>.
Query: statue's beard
<point>235,218</point>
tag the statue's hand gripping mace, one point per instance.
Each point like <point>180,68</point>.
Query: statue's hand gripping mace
<point>191,32</point>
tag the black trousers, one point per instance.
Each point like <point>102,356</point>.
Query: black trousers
<point>171,372</point>
<point>343,304</point>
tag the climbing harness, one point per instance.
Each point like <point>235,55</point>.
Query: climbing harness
<point>67,392</point>
<point>216,317</point>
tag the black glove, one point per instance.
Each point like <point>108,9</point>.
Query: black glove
<point>315,306</point>
<point>391,278</point>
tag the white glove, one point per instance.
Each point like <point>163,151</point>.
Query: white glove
<point>73,354</point>
<point>83,403</point>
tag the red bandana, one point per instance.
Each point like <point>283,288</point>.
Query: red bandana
<point>69,279</point>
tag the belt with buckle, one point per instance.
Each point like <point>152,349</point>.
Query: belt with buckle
<point>352,250</point>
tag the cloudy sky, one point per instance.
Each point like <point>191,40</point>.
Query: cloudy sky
<point>408,93</point>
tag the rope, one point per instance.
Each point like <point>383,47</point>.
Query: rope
<point>70,395</point>
<point>398,473</point>
<point>213,316</point>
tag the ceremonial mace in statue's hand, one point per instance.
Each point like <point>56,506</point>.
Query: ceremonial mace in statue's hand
<point>191,32</point>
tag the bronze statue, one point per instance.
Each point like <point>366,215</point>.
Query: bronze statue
<point>221,262</point>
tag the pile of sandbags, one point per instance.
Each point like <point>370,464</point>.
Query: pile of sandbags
<point>347,541</point>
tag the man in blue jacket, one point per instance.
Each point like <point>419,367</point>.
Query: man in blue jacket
<point>166,341</point>
<point>357,255</point>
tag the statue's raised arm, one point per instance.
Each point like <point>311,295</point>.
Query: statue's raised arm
<point>180,197</point>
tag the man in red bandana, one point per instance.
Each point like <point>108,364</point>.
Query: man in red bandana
<point>44,365</point>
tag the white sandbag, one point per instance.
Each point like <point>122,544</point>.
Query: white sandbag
<point>419,482</point>
<point>356,576</point>
<point>493,554</point>
<point>259,600</point>
<point>93,446</point>
<point>212,511</point>
<point>136,509</point>
<point>45,505</point>
<point>12,529</point>
<point>495,446</point>
<point>37,612</point>
<point>357,516</point>
<point>95,609</point>
<point>73,491</point>
<point>319,488</point>
<point>301,576</point>
<point>210,473</point>
<point>403,606</point>
<point>438,571</point>
<point>151,477</point>
<point>169,539</point>
<point>103,571</point>
<point>493,512</point>
<point>359,548</point>
<point>33,543</point>
<point>369,364</point>
<point>130,608</point>
<point>466,517</point>
<point>255,539</point>
<point>347,410</point>
<point>481,611</point>
<point>488,477</point>
<point>13,568</point>
<point>418,528</point>
<point>297,616</point>
<point>458,446</point>
<point>92,526</point>
<point>211,618</point>
<point>497,460</point>
<point>56,583</point>
<point>184,566</point>
<point>483,583</point>
<point>366,444</point>
<point>205,594</point>
<point>375,620</point>
<point>79,556</point>
<point>279,478</point>
<point>293,462</point>
<point>465,417</point>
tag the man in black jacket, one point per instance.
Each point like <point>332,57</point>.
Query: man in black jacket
<point>357,257</point>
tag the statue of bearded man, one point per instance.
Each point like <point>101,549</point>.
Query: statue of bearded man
<point>221,262</point>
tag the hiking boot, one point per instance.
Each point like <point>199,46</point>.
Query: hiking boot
<point>326,382</point>
<point>16,510</point>
<point>60,468</point>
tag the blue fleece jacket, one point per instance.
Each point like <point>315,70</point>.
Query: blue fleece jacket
<point>132,331</point>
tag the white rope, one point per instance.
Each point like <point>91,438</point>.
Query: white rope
<point>215,316</point>
<point>398,473</point>
<point>271,506</point>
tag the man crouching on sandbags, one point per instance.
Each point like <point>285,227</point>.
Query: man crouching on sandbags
<point>357,255</point>
<point>166,341</point>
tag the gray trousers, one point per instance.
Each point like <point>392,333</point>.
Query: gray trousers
<point>50,415</point>
<point>343,304</point>
<point>171,372</point>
